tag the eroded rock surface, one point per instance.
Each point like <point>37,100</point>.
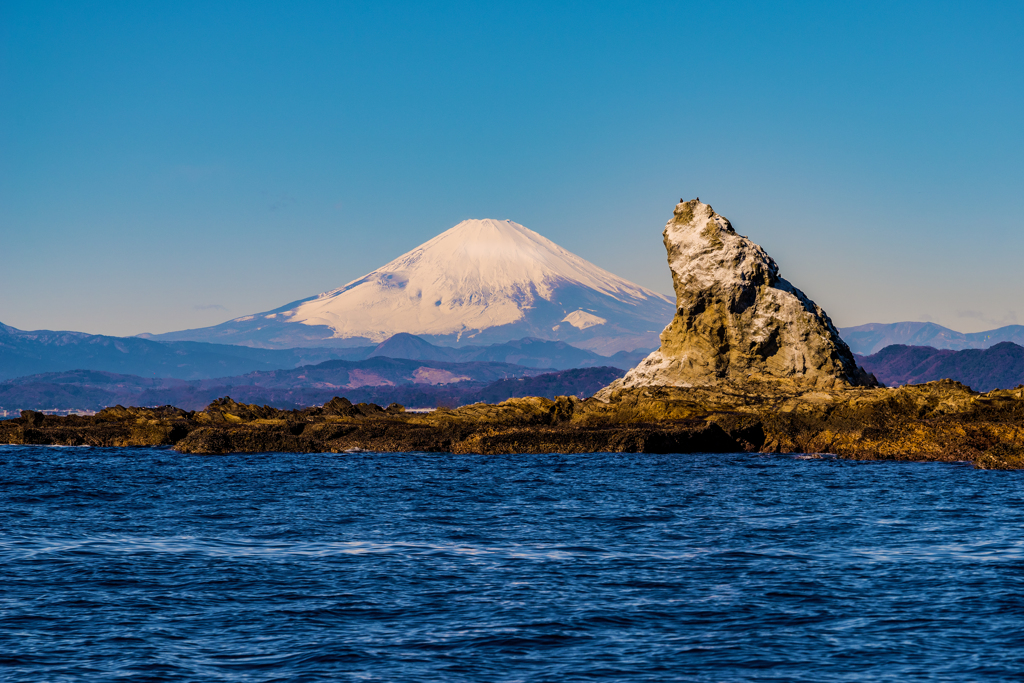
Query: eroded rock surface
<point>940,421</point>
<point>738,323</point>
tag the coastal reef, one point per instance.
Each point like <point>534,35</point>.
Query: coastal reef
<point>939,421</point>
<point>749,363</point>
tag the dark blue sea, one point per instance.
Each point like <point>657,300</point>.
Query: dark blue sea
<point>147,565</point>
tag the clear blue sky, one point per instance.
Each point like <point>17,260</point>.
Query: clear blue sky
<point>173,165</point>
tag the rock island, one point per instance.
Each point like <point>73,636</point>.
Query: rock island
<point>748,363</point>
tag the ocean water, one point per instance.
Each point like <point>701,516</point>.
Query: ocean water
<point>148,565</point>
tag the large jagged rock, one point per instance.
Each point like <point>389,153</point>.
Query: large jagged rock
<point>739,326</point>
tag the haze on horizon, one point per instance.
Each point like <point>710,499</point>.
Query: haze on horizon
<point>171,167</point>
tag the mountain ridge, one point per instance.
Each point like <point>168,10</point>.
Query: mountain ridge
<point>1000,366</point>
<point>481,281</point>
<point>873,337</point>
<point>33,352</point>
<point>422,384</point>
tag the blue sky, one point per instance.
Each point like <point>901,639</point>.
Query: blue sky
<point>173,165</point>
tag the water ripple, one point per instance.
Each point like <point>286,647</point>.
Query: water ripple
<point>153,566</point>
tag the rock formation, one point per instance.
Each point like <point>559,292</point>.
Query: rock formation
<point>940,421</point>
<point>748,364</point>
<point>738,325</point>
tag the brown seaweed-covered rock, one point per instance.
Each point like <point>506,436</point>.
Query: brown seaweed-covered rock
<point>227,410</point>
<point>692,437</point>
<point>112,427</point>
<point>338,406</point>
<point>939,421</point>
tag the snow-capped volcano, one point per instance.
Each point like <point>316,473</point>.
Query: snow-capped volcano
<point>478,275</point>
<point>481,281</point>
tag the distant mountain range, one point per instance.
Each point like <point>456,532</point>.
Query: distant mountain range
<point>28,353</point>
<point>529,352</point>
<point>873,337</point>
<point>481,282</point>
<point>998,367</point>
<point>48,369</point>
<point>413,383</point>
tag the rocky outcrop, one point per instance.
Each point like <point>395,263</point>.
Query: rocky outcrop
<point>940,421</point>
<point>748,364</point>
<point>738,323</point>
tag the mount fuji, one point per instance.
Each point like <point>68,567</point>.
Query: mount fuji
<point>483,281</point>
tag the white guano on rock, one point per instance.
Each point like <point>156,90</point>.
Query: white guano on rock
<point>738,324</point>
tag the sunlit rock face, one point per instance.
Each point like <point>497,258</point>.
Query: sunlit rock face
<point>738,323</point>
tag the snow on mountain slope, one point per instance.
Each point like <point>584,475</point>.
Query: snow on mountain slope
<point>582,320</point>
<point>477,275</point>
<point>483,280</point>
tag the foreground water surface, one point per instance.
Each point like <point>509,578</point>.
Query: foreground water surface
<point>148,565</point>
